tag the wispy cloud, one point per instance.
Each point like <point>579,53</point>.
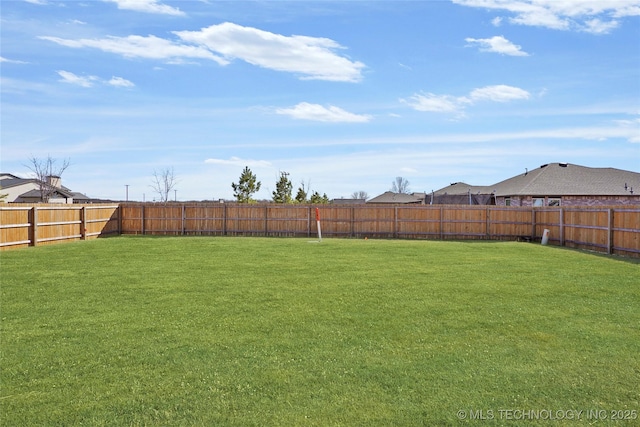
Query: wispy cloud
<point>11,61</point>
<point>90,81</point>
<point>84,81</point>
<point>633,126</point>
<point>236,161</point>
<point>320,113</point>
<point>435,103</point>
<point>430,102</point>
<point>147,6</point>
<point>310,57</point>
<point>497,44</point>
<point>499,93</point>
<point>120,82</point>
<point>596,17</point>
<point>149,47</point>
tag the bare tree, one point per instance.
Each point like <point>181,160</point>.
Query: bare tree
<point>48,174</point>
<point>303,191</point>
<point>400,185</point>
<point>163,183</point>
<point>360,195</point>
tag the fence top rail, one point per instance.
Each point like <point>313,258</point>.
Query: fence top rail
<point>13,208</point>
<point>617,208</point>
<point>587,209</point>
<point>25,207</point>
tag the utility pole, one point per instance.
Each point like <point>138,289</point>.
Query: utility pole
<point>127,192</point>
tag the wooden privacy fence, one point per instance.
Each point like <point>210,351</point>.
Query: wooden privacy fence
<point>30,225</point>
<point>613,230</point>
<point>606,229</point>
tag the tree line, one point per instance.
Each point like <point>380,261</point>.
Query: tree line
<point>248,185</point>
<point>165,180</point>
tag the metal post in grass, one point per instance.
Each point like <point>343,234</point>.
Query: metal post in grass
<point>318,223</point>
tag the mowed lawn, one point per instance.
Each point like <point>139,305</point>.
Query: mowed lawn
<point>259,332</point>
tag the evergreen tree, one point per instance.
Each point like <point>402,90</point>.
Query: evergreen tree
<point>284,187</point>
<point>301,197</point>
<point>317,199</point>
<point>246,187</point>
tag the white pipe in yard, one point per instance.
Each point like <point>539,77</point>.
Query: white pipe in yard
<point>318,222</point>
<point>545,236</point>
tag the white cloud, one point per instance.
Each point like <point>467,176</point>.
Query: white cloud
<point>499,93</point>
<point>633,126</point>
<point>150,47</point>
<point>40,2</point>
<point>430,102</point>
<point>307,111</point>
<point>68,77</point>
<point>497,44</point>
<point>120,82</point>
<point>597,17</point>
<point>596,26</point>
<point>148,6</point>
<point>89,81</point>
<point>236,161</point>
<point>435,103</point>
<point>409,170</point>
<point>11,61</point>
<point>311,57</point>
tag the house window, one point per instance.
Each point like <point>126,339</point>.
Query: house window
<point>538,201</point>
<point>507,201</point>
<point>554,201</point>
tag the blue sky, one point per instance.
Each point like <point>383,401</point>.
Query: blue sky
<point>344,96</point>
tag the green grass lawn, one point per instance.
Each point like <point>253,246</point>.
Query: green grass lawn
<point>256,331</point>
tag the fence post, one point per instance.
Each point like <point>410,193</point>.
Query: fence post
<point>561,226</point>
<point>353,222</point>
<point>83,223</point>
<point>395,222</point>
<point>224,219</point>
<point>119,213</point>
<point>34,226</point>
<point>184,212</point>
<point>266,219</point>
<point>486,223</point>
<point>142,219</point>
<point>533,223</point>
<point>441,230</point>
<point>610,231</point>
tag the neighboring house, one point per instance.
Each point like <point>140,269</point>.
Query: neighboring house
<point>27,190</point>
<point>553,184</point>
<point>390,197</point>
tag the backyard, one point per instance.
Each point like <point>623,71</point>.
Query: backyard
<point>246,331</point>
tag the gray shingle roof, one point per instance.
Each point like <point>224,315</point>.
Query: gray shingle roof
<point>566,179</point>
<point>400,198</point>
<point>557,179</point>
<point>458,188</point>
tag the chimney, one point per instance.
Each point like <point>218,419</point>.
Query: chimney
<point>54,181</point>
